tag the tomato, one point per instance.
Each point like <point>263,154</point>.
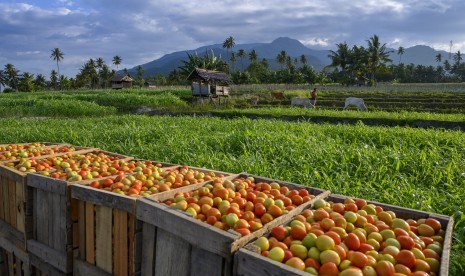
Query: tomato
<point>406,257</point>
<point>357,258</point>
<point>352,241</point>
<point>385,268</point>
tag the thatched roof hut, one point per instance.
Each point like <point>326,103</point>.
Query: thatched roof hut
<point>208,76</point>
<point>121,81</point>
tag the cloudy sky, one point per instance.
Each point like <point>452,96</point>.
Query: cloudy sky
<point>140,31</point>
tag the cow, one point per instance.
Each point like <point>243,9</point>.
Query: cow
<point>278,95</point>
<point>359,103</point>
<point>302,102</point>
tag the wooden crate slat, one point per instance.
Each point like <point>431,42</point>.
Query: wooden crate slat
<point>131,243</point>
<point>190,229</point>
<point>205,263</point>
<point>252,264</point>
<point>12,199</point>
<point>103,241</point>
<point>55,186</point>
<point>173,254</point>
<point>89,233</point>
<point>82,268</point>
<point>109,199</point>
<point>20,199</point>
<point>120,239</point>
<point>446,248</point>
<point>82,229</point>
<point>50,256</point>
<point>43,268</point>
<point>42,217</point>
<point>2,201</point>
<point>149,233</point>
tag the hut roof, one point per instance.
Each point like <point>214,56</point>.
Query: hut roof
<point>126,78</point>
<point>208,75</point>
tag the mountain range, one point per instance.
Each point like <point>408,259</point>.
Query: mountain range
<point>418,55</point>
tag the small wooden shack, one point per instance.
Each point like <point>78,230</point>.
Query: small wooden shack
<point>121,81</point>
<point>209,83</point>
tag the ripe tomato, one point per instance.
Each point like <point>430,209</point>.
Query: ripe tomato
<point>352,241</point>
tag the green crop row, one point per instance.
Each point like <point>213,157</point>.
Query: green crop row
<point>413,168</point>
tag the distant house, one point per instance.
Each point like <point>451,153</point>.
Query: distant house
<point>149,84</point>
<point>122,81</point>
<point>209,83</point>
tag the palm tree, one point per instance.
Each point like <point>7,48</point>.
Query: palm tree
<point>303,59</point>
<point>377,55</point>
<point>27,82</point>
<point>228,44</point>
<point>40,82</point>
<point>438,58</point>
<point>400,52</point>
<point>281,58</point>
<point>140,74</point>
<point>3,79</point>
<point>12,76</point>
<point>99,62</point>
<point>117,61</point>
<point>53,78</point>
<point>233,59</point>
<point>241,54</point>
<point>457,58</point>
<point>253,55</point>
<point>57,55</point>
<point>341,58</point>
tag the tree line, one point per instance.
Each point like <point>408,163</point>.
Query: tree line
<point>350,65</point>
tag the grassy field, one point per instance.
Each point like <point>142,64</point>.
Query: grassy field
<point>419,168</point>
<point>414,168</point>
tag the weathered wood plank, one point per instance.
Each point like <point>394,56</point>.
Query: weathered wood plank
<point>249,263</point>
<point>43,268</point>
<point>12,198</point>
<point>103,236</point>
<point>192,230</point>
<point>149,233</point>
<point>132,232</point>
<point>82,229</point>
<point>173,254</point>
<point>206,263</point>
<point>101,197</point>
<point>11,262</point>
<point>20,199</point>
<point>446,248</point>
<point>89,233</point>
<point>2,202</point>
<point>52,185</point>
<point>6,194</point>
<point>84,269</point>
<point>120,238</point>
<point>11,234</point>
<point>57,259</point>
<point>60,230</point>
<point>42,217</point>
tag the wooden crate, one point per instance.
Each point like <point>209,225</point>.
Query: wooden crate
<point>109,235</point>
<point>55,216</point>
<point>249,261</point>
<point>16,204</point>
<point>174,243</point>
<point>13,260</point>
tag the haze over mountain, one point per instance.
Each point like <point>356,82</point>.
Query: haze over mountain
<point>418,55</point>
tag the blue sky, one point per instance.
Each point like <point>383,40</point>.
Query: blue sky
<point>141,31</point>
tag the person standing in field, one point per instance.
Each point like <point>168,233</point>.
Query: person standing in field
<point>313,97</point>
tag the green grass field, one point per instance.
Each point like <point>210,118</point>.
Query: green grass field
<point>420,168</point>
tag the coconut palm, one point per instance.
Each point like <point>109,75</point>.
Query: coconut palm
<point>228,44</point>
<point>253,55</point>
<point>233,59</point>
<point>400,52</point>
<point>57,55</point>
<point>438,58</point>
<point>12,75</point>
<point>3,79</point>
<point>26,83</point>
<point>140,74</point>
<point>241,54</point>
<point>40,82</point>
<point>303,59</point>
<point>377,55</point>
<point>281,58</point>
<point>53,78</point>
<point>117,61</point>
<point>457,58</point>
